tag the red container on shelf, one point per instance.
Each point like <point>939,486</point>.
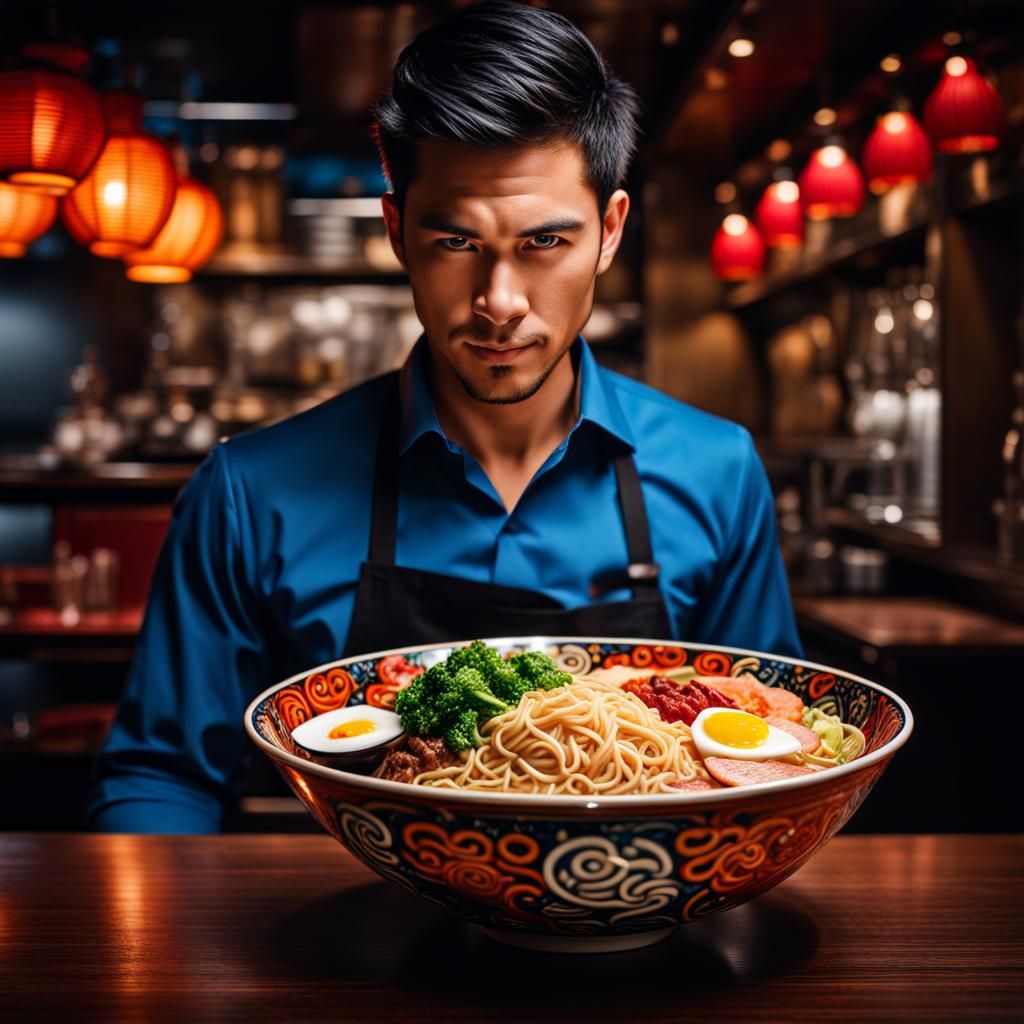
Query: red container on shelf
<point>135,533</point>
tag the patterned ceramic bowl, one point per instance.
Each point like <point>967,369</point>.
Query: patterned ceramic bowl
<point>579,873</point>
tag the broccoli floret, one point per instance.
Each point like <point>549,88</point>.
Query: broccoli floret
<point>473,684</point>
<point>425,704</point>
<point>470,688</point>
<point>531,665</point>
<point>552,679</point>
<point>507,684</point>
<point>442,702</point>
<point>477,655</point>
<point>463,732</point>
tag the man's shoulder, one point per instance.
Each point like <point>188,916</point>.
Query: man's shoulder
<point>658,418</point>
<point>337,432</point>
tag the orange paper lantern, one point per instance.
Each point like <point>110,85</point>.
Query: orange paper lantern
<point>897,151</point>
<point>126,198</point>
<point>24,216</point>
<point>831,184</point>
<point>51,127</point>
<point>737,251</point>
<point>188,239</point>
<point>780,216</point>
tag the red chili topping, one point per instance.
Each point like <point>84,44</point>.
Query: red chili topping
<point>675,703</point>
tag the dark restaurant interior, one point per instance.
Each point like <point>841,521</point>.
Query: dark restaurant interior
<point>802,257</point>
<point>198,265</point>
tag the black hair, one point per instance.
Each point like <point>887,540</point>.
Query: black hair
<point>499,74</point>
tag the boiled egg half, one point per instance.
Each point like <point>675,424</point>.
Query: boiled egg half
<point>347,730</point>
<point>725,732</point>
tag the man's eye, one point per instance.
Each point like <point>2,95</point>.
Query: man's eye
<point>457,243</point>
<point>545,241</point>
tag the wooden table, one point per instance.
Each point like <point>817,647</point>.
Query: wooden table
<point>261,928</point>
<point>894,625</point>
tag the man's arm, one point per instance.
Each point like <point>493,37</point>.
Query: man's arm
<point>174,756</point>
<point>748,604</point>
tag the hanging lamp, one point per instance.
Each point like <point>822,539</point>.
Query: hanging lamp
<point>964,113</point>
<point>897,152</point>
<point>831,184</point>
<point>188,239</point>
<point>52,125</point>
<point>127,197</point>
<point>737,251</point>
<point>25,214</point>
<point>779,215</point>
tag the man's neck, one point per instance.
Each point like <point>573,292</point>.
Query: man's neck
<point>511,442</point>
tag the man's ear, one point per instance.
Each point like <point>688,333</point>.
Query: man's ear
<point>393,222</point>
<point>611,228</point>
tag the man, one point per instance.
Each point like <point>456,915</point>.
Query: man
<point>501,484</point>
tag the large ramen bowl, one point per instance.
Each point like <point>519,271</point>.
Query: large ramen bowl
<point>581,873</point>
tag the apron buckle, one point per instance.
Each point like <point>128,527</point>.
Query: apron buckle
<point>616,579</point>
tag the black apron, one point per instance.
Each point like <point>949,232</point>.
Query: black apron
<point>400,607</point>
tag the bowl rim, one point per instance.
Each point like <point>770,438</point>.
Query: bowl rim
<point>571,802</point>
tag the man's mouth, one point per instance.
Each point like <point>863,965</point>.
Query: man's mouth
<point>495,354</point>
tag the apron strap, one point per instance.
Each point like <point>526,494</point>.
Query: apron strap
<point>642,570</point>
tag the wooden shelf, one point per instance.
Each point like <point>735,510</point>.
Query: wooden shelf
<point>39,634</point>
<point>885,534</point>
<point>291,265</point>
<point>1008,191</point>
<point>906,624</point>
<point>26,480</point>
<point>843,252</point>
<point>970,573</point>
<point>1005,192</point>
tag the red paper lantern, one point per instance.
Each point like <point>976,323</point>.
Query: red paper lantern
<point>188,239</point>
<point>780,216</point>
<point>897,151</point>
<point>831,184</point>
<point>964,114</point>
<point>51,127</point>
<point>127,197</point>
<point>24,215</point>
<point>737,252</point>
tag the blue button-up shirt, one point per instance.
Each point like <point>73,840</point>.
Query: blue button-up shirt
<point>257,577</point>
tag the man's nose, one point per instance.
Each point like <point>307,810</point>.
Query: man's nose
<point>500,296</point>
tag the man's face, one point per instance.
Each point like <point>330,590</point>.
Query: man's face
<point>502,250</point>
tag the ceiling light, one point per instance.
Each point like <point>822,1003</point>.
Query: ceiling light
<point>964,113</point>
<point>725,193</point>
<point>737,252</point>
<point>741,47</point>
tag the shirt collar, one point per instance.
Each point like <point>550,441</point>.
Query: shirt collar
<point>598,402</point>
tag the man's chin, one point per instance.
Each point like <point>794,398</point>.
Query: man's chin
<point>502,385</point>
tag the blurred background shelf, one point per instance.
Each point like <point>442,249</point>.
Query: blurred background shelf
<point>27,480</point>
<point>287,265</point>
<point>40,634</point>
<point>868,247</point>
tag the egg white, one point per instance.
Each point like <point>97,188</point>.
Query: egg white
<point>314,734</point>
<point>777,744</point>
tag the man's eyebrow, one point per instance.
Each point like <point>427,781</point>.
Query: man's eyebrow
<point>437,222</point>
<point>552,227</point>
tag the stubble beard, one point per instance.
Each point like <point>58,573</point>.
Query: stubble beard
<point>497,374</point>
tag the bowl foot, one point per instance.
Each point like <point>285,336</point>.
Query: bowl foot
<point>579,943</point>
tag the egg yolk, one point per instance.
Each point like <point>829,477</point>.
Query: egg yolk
<point>357,727</point>
<point>736,729</point>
